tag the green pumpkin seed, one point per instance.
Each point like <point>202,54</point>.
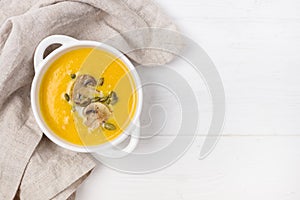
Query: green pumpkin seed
<point>111,93</point>
<point>103,99</point>
<point>109,126</point>
<point>73,76</point>
<point>96,99</point>
<point>101,81</point>
<point>108,101</point>
<point>67,97</point>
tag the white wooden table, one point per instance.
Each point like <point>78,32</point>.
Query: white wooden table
<point>255,45</point>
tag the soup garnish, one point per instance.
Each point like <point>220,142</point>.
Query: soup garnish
<point>97,108</point>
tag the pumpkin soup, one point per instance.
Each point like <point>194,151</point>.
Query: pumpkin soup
<point>87,96</point>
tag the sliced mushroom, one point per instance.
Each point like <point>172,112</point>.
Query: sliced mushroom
<point>92,122</point>
<point>88,80</point>
<point>95,114</point>
<point>83,90</point>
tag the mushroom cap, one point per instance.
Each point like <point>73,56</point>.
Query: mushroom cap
<point>82,90</point>
<point>95,114</point>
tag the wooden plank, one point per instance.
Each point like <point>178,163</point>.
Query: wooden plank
<point>239,168</point>
<point>255,46</point>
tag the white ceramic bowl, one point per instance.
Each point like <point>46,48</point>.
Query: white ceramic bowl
<point>41,65</point>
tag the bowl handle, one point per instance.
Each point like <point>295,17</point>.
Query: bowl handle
<point>119,153</point>
<point>45,43</point>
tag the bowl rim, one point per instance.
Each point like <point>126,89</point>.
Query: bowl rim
<point>44,65</point>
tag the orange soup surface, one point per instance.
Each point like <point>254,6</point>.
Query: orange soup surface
<point>55,95</point>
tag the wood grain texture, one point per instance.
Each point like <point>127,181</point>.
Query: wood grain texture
<point>255,45</point>
<point>241,167</point>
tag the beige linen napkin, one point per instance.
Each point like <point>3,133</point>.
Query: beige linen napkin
<point>32,167</point>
